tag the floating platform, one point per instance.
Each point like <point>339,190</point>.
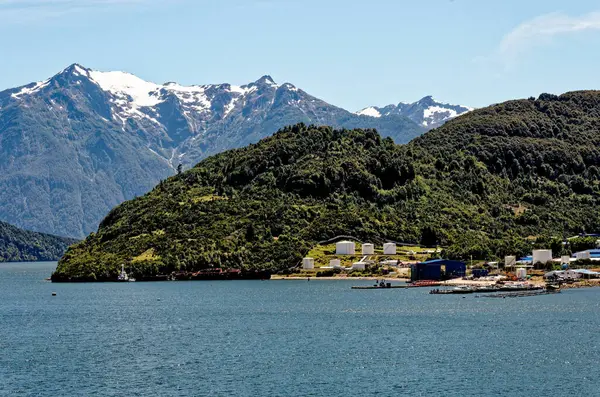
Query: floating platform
<point>520,294</point>
<point>378,287</point>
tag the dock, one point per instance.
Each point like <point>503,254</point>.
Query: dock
<point>519,294</point>
<point>378,287</point>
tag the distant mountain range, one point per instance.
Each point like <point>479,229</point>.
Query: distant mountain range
<point>79,143</point>
<point>426,112</point>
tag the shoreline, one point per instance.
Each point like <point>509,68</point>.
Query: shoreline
<point>591,283</point>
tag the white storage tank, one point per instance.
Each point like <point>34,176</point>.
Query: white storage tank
<point>389,249</point>
<point>583,255</point>
<point>359,266</point>
<point>335,263</point>
<point>510,261</point>
<point>368,249</point>
<point>521,273</point>
<point>345,248</point>
<point>542,256</point>
<point>565,259</point>
<point>308,263</point>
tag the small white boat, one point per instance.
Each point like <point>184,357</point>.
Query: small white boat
<point>123,275</point>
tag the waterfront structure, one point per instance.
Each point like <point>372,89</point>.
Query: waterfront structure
<point>345,248</point>
<point>368,249</point>
<point>308,263</point>
<point>389,249</point>
<point>437,269</point>
<point>541,256</point>
<point>510,261</point>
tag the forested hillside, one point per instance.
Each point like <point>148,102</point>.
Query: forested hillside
<point>18,245</point>
<point>496,181</point>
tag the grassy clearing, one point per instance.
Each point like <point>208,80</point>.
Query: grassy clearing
<point>322,254</point>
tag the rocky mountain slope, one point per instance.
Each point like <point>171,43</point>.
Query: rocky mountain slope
<point>494,182</point>
<point>77,144</point>
<point>426,112</point>
<point>18,245</point>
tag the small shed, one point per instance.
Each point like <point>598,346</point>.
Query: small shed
<point>368,249</point>
<point>308,263</point>
<point>345,248</point>
<point>335,263</point>
<point>359,266</point>
<point>389,249</point>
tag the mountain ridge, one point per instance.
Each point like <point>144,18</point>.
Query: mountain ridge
<point>426,112</point>
<point>18,245</point>
<point>82,141</point>
<point>498,181</point>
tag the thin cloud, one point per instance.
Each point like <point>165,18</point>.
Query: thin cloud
<point>538,32</point>
<point>26,11</point>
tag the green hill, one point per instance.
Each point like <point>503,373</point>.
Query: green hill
<point>493,182</point>
<point>18,245</point>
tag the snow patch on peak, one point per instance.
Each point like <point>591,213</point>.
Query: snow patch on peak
<point>290,87</point>
<point>79,70</point>
<point>437,113</point>
<point>267,80</point>
<point>141,92</point>
<point>29,89</point>
<point>370,111</point>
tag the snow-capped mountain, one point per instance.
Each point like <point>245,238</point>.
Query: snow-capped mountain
<point>426,112</point>
<point>77,144</point>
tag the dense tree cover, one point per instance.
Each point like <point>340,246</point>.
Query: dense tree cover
<point>497,181</point>
<point>18,245</point>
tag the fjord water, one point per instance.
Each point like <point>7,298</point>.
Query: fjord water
<point>288,338</point>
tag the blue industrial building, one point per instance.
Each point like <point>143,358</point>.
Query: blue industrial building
<point>437,269</point>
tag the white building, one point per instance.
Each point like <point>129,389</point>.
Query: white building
<point>565,259</point>
<point>308,263</point>
<point>368,249</point>
<point>359,266</point>
<point>345,248</point>
<point>335,264</point>
<point>510,261</point>
<point>542,256</point>
<point>583,255</point>
<point>389,249</point>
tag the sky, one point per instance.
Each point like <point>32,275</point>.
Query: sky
<point>349,53</point>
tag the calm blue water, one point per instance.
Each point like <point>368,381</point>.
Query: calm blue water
<point>288,338</point>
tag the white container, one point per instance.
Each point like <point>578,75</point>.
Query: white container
<point>335,263</point>
<point>389,249</point>
<point>359,266</point>
<point>368,249</point>
<point>542,256</point>
<point>345,248</point>
<point>583,255</point>
<point>565,259</point>
<point>521,273</point>
<point>308,263</point>
<point>510,261</point>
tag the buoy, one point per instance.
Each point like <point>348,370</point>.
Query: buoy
<point>54,294</point>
